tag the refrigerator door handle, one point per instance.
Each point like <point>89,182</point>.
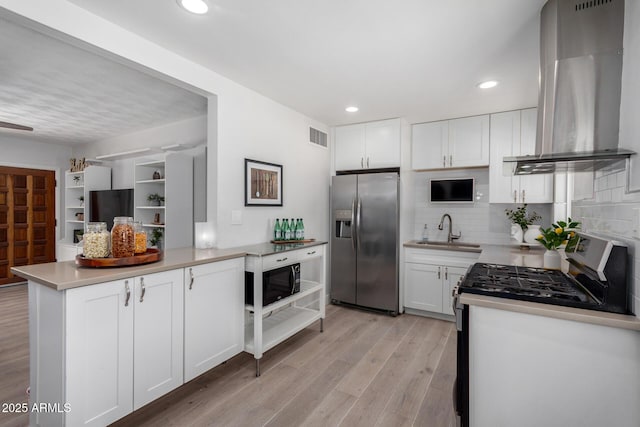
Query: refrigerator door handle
<point>358,218</point>
<point>353,224</point>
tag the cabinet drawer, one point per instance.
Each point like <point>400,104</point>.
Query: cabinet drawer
<point>443,257</point>
<point>310,253</point>
<point>270,262</point>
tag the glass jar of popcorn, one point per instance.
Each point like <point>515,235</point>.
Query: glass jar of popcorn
<point>141,238</point>
<point>122,237</point>
<point>96,240</point>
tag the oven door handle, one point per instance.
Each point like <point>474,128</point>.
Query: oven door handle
<point>456,306</point>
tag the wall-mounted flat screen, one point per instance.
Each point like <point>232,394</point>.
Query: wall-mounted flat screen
<point>460,190</point>
<point>104,205</point>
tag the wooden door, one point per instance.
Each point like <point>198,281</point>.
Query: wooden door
<point>27,219</point>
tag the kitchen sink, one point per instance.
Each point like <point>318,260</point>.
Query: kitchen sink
<point>452,244</point>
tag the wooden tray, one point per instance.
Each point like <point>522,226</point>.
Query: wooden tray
<point>288,242</point>
<point>152,255</point>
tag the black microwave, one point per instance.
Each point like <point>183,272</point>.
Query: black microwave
<point>276,284</point>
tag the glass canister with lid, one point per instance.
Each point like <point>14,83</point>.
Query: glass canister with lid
<point>122,237</point>
<point>140,238</point>
<point>96,240</point>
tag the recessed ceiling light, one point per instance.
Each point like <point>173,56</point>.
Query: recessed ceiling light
<point>488,84</point>
<point>351,109</point>
<point>194,6</point>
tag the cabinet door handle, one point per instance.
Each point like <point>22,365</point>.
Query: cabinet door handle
<point>361,162</point>
<point>367,162</point>
<point>311,253</point>
<point>444,161</point>
<point>282,259</point>
<point>515,196</point>
<point>450,159</point>
<point>522,196</point>
<point>128,291</point>
<point>439,271</point>
<point>446,273</point>
<point>191,276</point>
<point>142,289</point>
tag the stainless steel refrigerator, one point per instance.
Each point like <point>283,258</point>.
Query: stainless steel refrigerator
<point>364,240</point>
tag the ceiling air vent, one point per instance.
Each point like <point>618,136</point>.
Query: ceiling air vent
<point>317,137</point>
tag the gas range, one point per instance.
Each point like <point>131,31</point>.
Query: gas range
<point>596,280</point>
<point>525,283</point>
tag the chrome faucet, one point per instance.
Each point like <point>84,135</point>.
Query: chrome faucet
<point>450,235</point>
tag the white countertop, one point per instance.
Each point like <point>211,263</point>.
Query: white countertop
<point>67,275</point>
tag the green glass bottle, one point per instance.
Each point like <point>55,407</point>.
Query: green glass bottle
<point>301,228</point>
<point>277,231</point>
<point>286,229</point>
<point>293,229</point>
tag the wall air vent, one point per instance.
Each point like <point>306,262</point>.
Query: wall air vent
<point>591,3</point>
<point>317,137</point>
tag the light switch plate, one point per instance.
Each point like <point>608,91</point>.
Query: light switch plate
<point>236,217</point>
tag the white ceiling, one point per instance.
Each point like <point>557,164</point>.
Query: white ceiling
<point>71,96</point>
<point>419,59</point>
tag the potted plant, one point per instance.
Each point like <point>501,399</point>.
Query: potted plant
<point>155,199</point>
<point>524,220</point>
<point>81,198</point>
<point>156,238</point>
<point>76,179</point>
<point>560,234</point>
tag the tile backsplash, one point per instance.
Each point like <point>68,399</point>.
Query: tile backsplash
<point>479,222</point>
<point>616,214</point>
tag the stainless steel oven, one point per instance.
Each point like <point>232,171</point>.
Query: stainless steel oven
<point>597,279</point>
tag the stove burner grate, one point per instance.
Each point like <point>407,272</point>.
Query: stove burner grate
<point>526,282</point>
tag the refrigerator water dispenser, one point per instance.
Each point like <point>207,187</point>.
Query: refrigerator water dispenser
<point>343,224</point>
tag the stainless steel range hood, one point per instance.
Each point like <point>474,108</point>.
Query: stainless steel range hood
<point>580,82</point>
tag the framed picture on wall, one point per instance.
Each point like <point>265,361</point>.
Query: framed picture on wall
<point>263,183</point>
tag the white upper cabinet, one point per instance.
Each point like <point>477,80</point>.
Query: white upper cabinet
<point>513,133</point>
<point>429,145</point>
<point>457,143</point>
<point>469,142</point>
<point>368,145</point>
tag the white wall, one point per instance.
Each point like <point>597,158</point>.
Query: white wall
<point>613,211</point>
<point>479,222</point>
<point>190,131</point>
<point>19,151</point>
<point>248,125</point>
<point>269,132</point>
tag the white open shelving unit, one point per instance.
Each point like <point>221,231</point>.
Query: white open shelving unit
<point>266,327</point>
<point>80,184</point>
<point>176,186</point>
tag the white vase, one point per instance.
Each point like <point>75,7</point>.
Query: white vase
<point>533,231</point>
<point>551,260</point>
<point>516,233</point>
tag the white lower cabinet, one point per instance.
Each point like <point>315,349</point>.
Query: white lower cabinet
<point>157,335</point>
<point>99,354</point>
<point>108,349</point>
<point>124,346</point>
<point>424,287</point>
<point>214,319</point>
<point>430,276</point>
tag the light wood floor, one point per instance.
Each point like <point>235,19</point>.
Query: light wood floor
<point>365,370</point>
<point>14,352</point>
